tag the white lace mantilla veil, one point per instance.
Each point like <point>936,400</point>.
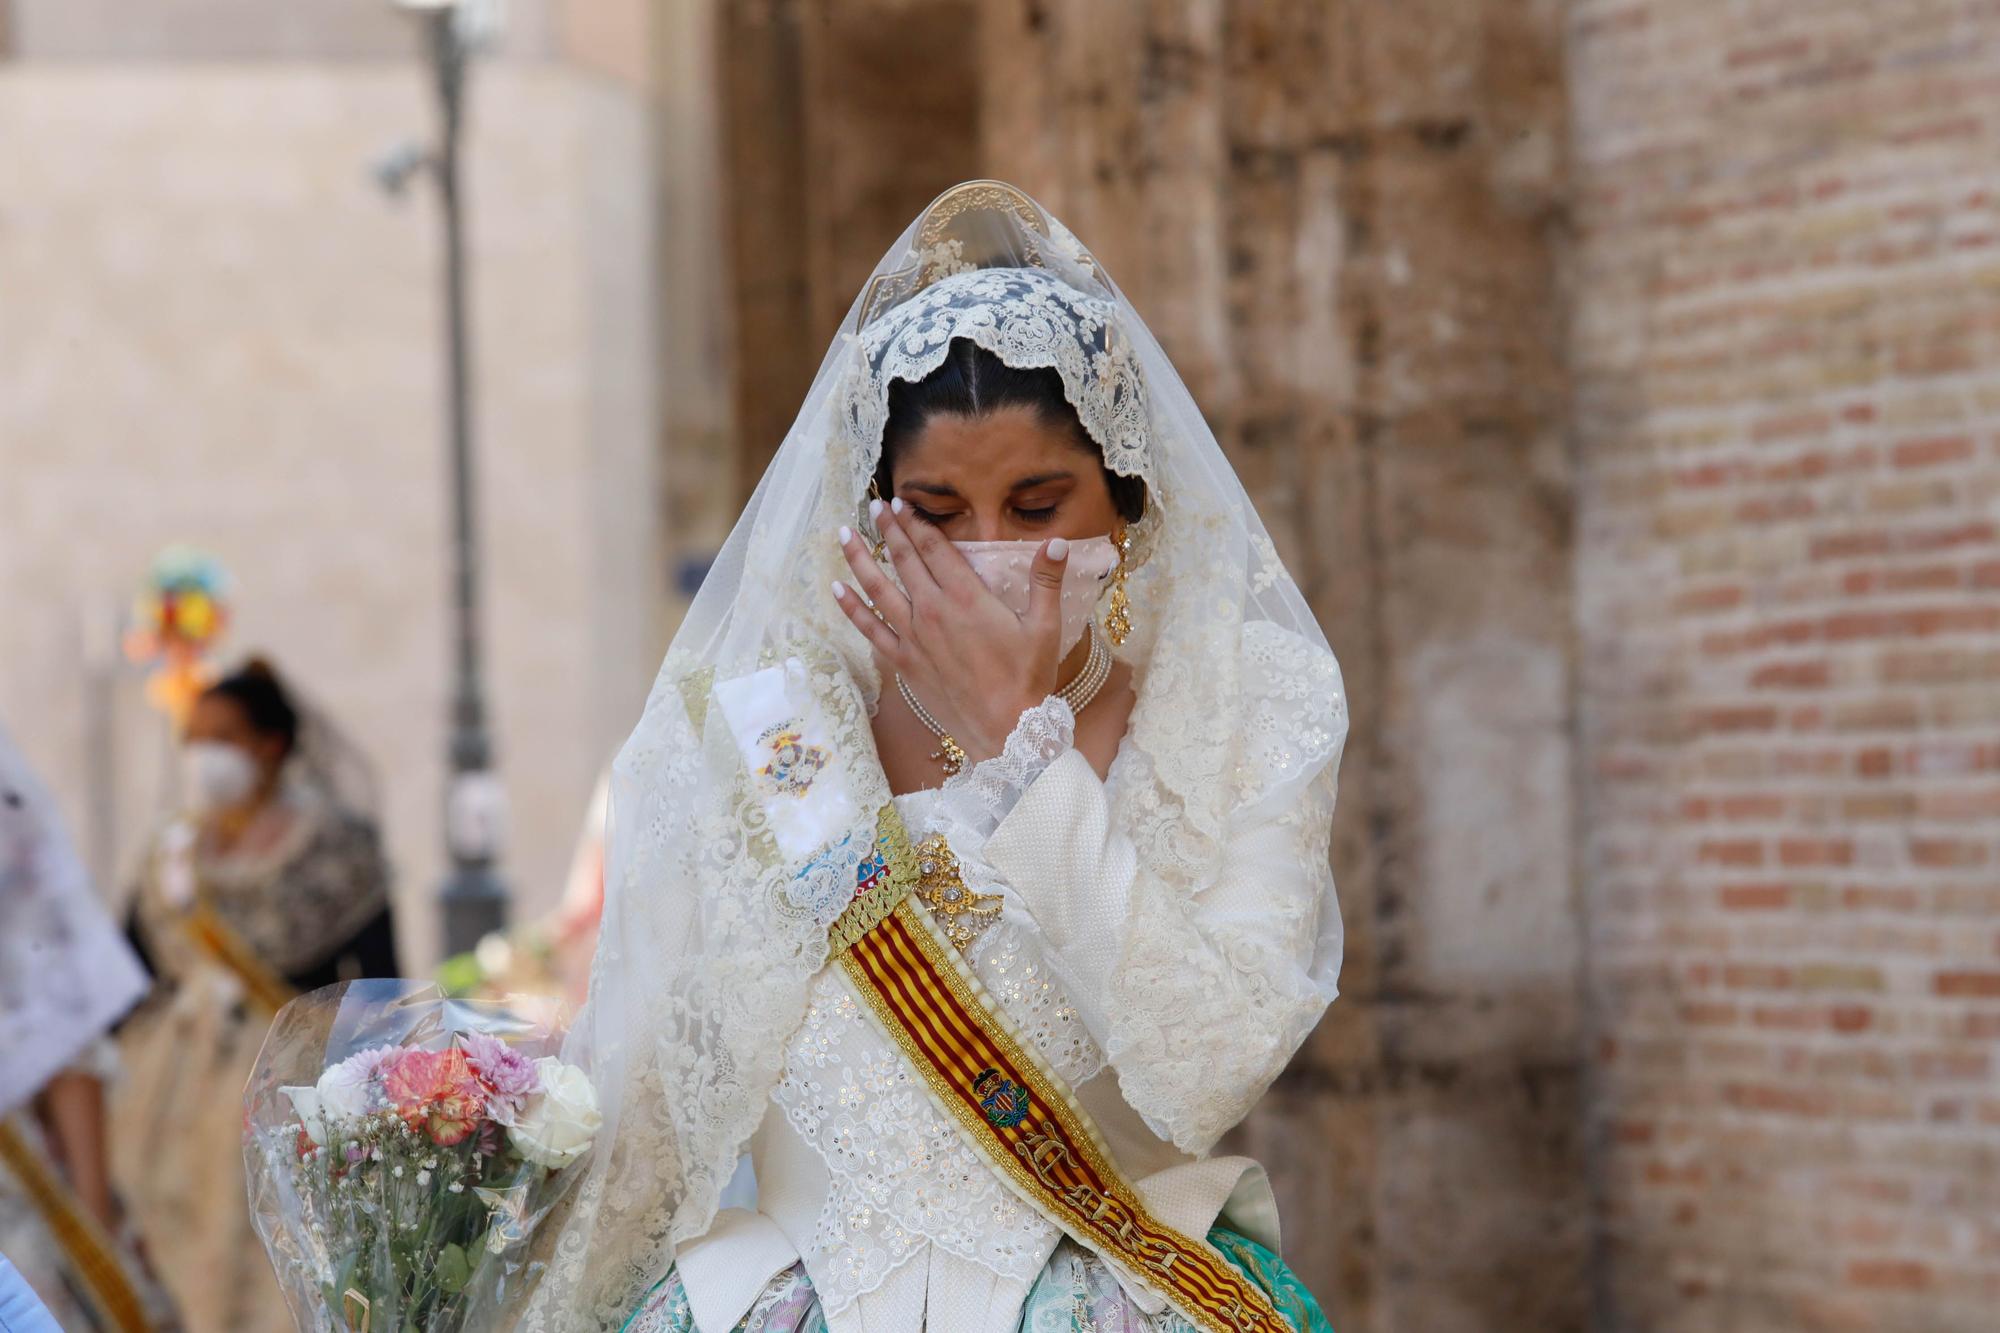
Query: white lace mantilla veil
<point>706,957</point>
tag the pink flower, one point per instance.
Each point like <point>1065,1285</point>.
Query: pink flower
<point>508,1076</point>
<point>437,1093</point>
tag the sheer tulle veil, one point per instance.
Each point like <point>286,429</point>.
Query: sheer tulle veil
<point>706,955</point>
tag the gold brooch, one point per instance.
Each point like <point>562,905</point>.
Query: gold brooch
<point>961,912</point>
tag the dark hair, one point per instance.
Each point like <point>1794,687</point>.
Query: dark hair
<point>972,382</point>
<point>266,703</point>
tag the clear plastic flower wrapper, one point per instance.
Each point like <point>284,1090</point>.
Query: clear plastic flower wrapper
<point>403,1147</point>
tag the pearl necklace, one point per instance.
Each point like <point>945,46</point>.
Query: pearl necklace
<point>1077,694</point>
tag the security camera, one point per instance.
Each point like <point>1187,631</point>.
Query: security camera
<point>393,169</point>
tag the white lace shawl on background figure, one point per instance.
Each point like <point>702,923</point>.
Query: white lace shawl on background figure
<point>66,973</point>
<point>705,966</point>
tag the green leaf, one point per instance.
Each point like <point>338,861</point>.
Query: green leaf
<point>453,1270</point>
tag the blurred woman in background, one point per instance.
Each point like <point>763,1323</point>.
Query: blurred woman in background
<point>272,883</point>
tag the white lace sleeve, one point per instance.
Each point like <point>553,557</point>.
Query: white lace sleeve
<point>1199,989</point>
<point>974,803</point>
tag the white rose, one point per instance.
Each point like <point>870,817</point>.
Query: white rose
<point>558,1123</point>
<point>311,1114</point>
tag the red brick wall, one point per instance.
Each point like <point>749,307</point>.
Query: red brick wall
<point>1786,342</point>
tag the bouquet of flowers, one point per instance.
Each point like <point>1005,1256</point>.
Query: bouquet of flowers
<point>402,1149</point>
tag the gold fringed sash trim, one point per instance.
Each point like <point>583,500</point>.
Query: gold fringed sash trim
<point>218,940</point>
<point>1018,1113</point>
<point>92,1259</point>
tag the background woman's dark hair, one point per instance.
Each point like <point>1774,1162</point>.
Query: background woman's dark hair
<point>255,688</point>
<point>972,382</point>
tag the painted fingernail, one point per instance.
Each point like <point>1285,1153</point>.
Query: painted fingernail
<point>874,509</point>
<point>839,590</point>
<point>1058,548</point>
<point>846,535</point>
<point>897,504</point>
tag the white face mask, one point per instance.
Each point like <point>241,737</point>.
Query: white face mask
<point>1004,567</point>
<point>215,775</point>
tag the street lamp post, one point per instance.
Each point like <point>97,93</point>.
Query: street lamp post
<point>473,897</point>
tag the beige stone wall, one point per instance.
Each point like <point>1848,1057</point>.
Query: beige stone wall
<point>216,329</point>
<point>156,31</point>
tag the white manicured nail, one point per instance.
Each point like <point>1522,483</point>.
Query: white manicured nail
<point>897,504</point>
<point>839,590</point>
<point>1058,548</point>
<point>846,535</point>
<point>874,509</point>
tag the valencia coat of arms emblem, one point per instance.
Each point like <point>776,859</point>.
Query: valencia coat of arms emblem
<point>1004,1102</point>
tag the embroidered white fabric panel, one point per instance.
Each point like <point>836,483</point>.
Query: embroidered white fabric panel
<point>900,1175</point>
<point>786,747</point>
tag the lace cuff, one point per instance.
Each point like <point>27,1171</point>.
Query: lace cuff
<point>973,803</point>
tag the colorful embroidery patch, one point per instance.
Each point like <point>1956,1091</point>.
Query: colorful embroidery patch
<point>870,871</point>
<point>794,764</point>
<point>1004,1102</point>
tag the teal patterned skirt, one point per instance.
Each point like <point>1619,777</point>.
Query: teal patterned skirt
<point>1075,1293</point>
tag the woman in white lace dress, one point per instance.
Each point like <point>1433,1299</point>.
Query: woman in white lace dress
<point>1000,651</point>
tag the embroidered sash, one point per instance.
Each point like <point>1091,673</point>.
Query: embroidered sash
<point>889,936</point>
<point>1006,1101</point>
<point>94,1264</point>
<point>219,941</point>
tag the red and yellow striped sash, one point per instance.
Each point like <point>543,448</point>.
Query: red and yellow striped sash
<point>93,1262</point>
<point>1015,1110</point>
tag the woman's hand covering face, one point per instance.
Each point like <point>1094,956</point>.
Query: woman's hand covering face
<point>1008,473</point>
<point>975,664</point>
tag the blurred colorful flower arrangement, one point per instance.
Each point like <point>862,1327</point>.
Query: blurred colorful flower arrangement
<point>181,612</point>
<point>401,1188</point>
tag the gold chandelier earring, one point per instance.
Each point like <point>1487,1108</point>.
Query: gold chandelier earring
<point>1118,616</point>
<point>880,547</point>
